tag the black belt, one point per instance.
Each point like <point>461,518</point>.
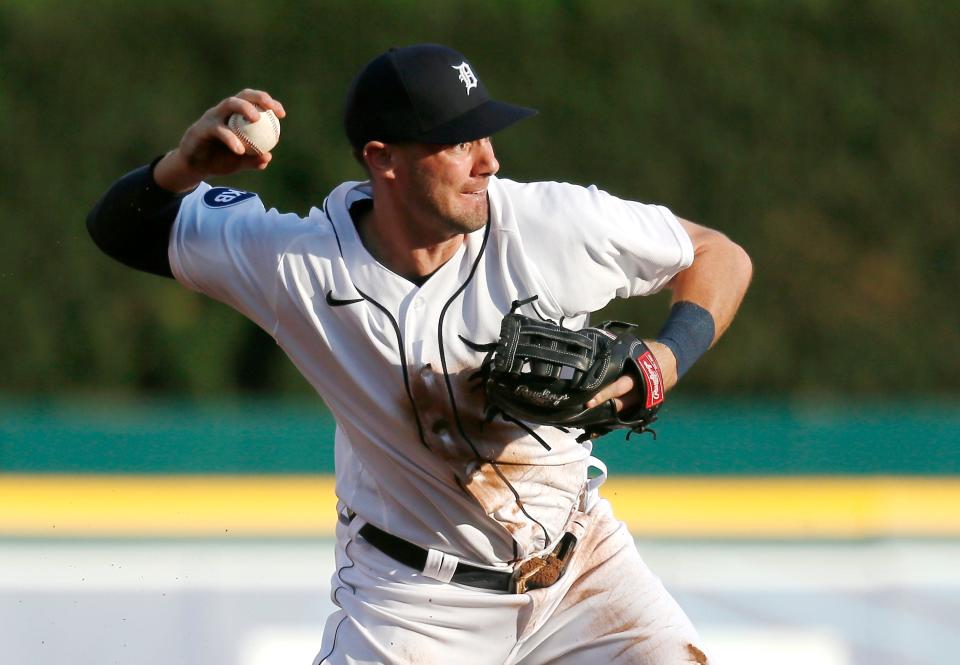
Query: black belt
<point>536,573</point>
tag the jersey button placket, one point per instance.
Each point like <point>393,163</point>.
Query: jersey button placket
<point>418,336</point>
<point>441,428</point>
<point>437,422</point>
<point>430,414</point>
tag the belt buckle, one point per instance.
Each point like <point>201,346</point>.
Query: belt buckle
<point>543,571</point>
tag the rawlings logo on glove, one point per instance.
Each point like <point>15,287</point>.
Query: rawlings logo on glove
<point>543,397</point>
<point>652,376</point>
<point>543,373</point>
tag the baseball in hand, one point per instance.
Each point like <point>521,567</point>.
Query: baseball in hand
<point>260,136</point>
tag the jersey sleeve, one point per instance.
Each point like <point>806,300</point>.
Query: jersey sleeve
<point>226,245</point>
<point>590,247</point>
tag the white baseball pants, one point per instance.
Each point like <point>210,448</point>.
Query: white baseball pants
<point>608,608</point>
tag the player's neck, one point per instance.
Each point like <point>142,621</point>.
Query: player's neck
<point>397,243</point>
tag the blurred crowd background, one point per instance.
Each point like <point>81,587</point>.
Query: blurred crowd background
<point>822,135</point>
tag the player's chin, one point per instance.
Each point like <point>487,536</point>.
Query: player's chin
<point>473,208</point>
<point>471,223</point>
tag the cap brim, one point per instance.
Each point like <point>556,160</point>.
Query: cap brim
<point>485,120</point>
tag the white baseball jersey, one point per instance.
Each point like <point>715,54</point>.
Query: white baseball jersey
<point>391,359</point>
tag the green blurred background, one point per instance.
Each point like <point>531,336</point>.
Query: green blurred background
<point>822,135</point>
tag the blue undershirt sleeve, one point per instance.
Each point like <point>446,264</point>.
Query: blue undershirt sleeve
<point>131,222</point>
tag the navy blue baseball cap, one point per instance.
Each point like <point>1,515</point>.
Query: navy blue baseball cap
<point>426,93</point>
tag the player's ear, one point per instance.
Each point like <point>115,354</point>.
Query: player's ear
<point>380,159</point>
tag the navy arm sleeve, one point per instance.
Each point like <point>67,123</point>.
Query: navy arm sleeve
<point>131,222</point>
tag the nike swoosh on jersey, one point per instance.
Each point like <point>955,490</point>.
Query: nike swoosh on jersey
<point>336,302</point>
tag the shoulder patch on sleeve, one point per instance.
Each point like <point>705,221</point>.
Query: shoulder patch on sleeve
<point>223,197</point>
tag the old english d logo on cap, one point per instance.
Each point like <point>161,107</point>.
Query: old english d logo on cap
<point>466,75</point>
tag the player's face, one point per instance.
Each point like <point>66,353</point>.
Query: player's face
<point>446,185</point>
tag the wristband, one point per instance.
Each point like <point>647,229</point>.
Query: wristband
<point>688,332</point>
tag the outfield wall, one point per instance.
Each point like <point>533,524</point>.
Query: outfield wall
<point>703,437</point>
<point>264,469</point>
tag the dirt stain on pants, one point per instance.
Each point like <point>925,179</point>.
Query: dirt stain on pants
<point>696,655</point>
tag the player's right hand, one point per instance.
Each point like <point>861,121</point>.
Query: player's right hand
<point>210,148</point>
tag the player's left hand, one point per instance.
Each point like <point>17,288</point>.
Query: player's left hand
<point>543,373</point>
<point>623,391</point>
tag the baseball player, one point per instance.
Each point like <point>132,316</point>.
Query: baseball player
<point>460,539</point>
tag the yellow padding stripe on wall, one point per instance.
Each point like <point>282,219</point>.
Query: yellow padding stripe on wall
<point>166,505</point>
<point>795,507</point>
<point>292,506</point>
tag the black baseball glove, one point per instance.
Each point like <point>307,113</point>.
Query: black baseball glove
<point>543,373</point>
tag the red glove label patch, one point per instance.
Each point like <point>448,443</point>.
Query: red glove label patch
<point>650,370</point>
